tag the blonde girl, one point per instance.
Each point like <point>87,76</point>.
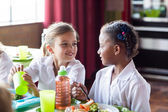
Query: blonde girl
<point>61,43</point>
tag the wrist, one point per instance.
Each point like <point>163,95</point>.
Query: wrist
<point>34,90</point>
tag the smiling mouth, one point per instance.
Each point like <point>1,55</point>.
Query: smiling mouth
<point>70,54</point>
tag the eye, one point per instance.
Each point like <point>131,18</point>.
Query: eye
<point>74,44</point>
<point>64,44</point>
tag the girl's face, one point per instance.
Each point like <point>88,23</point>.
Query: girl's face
<point>65,47</point>
<point>106,49</point>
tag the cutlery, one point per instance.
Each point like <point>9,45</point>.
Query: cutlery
<point>85,93</point>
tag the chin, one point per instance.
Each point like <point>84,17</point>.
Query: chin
<point>106,64</point>
<point>69,59</point>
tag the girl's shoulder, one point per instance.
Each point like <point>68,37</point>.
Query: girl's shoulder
<point>46,60</point>
<point>104,71</point>
<point>1,53</point>
<point>76,63</point>
<point>138,79</point>
<point>4,56</point>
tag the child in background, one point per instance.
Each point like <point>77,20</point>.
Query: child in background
<point>5,65</point>
<point>119,83</point>
<point>5,100</point>
<point>61,44</point>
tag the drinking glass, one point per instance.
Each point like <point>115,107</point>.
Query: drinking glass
<point>20,85</point>
<point>23,51</point>
<point>47,100</point>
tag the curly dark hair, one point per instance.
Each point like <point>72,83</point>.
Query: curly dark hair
<point>121,31</point>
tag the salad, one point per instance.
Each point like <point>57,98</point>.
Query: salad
<point>16,96</point>
<point>122,109</point>
<point>89,106</point>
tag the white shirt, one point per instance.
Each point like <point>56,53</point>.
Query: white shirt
<point>5,66</point>
<point>42,71</point>
<point>129,89</point>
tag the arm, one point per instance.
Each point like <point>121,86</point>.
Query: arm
<point>32,87</point>
<point>32,76</point>
<point>92,90</point>
<point>5,66</point>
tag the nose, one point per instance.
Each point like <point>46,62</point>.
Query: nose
<point>71,46</point>
<point>98,52</point>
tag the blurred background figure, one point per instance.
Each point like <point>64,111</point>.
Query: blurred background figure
<point>5,100</point>
<point>5,64</point>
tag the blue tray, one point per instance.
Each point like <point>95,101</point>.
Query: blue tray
<point>28,102</point>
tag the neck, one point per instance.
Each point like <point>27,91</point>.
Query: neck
<point>120,66</point>
<point>58,63</point>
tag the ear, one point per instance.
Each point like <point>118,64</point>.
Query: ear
<point>117,49</point>
<point>49,49</point>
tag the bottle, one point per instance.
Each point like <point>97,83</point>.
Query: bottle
<point>63,89</point>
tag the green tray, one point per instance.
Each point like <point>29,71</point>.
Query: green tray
<point>24,62</point>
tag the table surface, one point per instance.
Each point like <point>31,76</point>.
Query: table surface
<point>34,110</point>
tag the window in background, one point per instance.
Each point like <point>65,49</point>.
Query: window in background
<point>5,10</point>
<point>21,11</point>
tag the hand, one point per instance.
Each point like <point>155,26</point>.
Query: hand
<point>13,71</point>
<point>16,69</point>
<point>79,91</point>
<point>31,85</point>
<point>28,78</point>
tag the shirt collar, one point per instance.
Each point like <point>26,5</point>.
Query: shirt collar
<point>127,71</point>
<point>71,63</point>
<point>49,62</point>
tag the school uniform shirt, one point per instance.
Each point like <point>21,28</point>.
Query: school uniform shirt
<point>5,66</point>
<point>41,70</point>
<point>128,89</point>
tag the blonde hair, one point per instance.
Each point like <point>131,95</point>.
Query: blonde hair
<point>53,31</point>
<point>5,100</point>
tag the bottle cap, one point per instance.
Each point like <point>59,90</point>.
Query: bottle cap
<point>62,71</point>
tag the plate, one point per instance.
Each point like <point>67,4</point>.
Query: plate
<point>17,59</point>
<point>105,107</point>
<point>109,108</point>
